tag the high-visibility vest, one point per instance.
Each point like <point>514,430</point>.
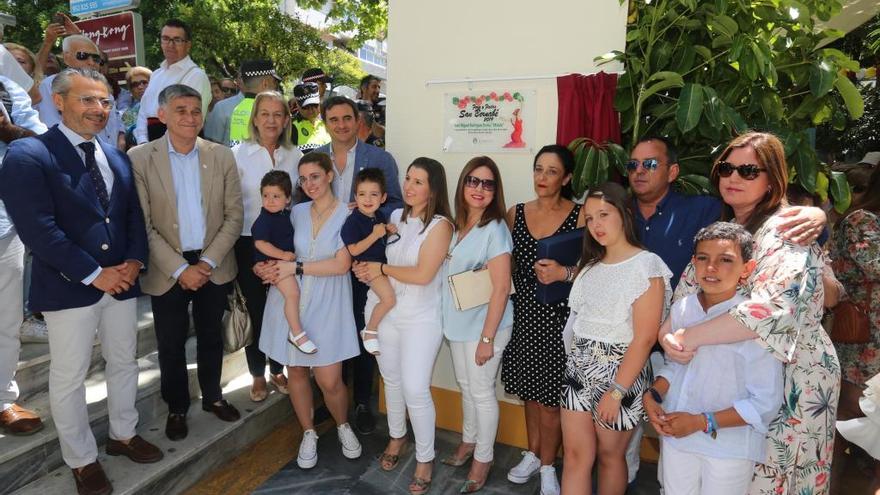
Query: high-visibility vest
<point>238,121</point>
<point>307,136</point>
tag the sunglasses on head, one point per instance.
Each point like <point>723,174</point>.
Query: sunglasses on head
<point>473,182</point>
<point>96,57</point>
<point>649,164</point>
<point>748,171</point>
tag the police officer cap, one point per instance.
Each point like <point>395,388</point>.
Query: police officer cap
<point>306,94</point>
<point>257,68</point>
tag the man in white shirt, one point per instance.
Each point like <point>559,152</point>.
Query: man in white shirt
<point>177,68</point>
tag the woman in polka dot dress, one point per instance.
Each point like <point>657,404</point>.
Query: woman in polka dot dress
<point>534,360</point>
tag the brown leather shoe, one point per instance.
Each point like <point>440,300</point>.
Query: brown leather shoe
<point>175,427</point>
<point>224,410</point>
<point>137,449</point>
<point>16,420</point>
<point>92,480</point>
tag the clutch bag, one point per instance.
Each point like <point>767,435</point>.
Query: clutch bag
<point>471,288</point>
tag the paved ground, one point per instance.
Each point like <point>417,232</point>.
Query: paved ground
<point>335,474</point>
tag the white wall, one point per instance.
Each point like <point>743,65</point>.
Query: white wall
<point>453,39</point>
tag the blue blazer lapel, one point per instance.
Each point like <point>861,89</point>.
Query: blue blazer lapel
<point>70,163</point>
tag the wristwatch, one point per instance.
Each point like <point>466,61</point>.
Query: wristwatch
<point>616,395</point>
<point>486,340</point>
<point>299,268</point>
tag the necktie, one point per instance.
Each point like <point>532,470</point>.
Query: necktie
<point>95,173</point>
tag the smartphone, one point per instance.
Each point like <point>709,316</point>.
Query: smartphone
<point>58,18</point>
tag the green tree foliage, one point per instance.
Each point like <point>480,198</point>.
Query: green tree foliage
<point>225,32</point>
<point>366,19</point>
<point>700,72</point>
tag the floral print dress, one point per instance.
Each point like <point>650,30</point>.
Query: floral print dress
<point>855,252</point>
<point>784,308</point>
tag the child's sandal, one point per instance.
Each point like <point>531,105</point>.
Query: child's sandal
<point>307,347</point>
<point>371,345</point>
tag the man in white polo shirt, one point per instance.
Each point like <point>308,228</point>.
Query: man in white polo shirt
<point>177,68</point>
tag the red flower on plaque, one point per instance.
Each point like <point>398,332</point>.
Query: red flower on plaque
<point>759,311</point>
<point>494,96</point>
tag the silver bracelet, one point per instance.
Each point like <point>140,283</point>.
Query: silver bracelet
<point>620,388</point>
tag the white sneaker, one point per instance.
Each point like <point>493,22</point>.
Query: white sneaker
<point>34,330</point>
<point>308,450</point>
<point>526,468</point>
<point>549,482</point>
<point>351,447</point>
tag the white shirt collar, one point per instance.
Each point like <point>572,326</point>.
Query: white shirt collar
<point>184,63</point>
<point>74,138</point>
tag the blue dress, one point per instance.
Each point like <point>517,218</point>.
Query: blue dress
<point>325,302</point>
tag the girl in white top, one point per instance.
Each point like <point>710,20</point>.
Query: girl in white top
<point>617,303</point>
<point>410,334</point>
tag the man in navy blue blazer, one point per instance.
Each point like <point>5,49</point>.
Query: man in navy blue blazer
<point>73,201</point>
<point>350,155</point>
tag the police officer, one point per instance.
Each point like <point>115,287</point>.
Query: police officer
<point>308,131</point>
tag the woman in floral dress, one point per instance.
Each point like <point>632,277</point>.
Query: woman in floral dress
<point>784,312</point>
<point>856,253</point>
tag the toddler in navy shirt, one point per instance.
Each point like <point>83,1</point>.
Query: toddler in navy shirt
<point>273,240</point>
<point>364,235</point>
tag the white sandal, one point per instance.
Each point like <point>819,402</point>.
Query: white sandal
<point>307,347</point>
<point>371,345</point>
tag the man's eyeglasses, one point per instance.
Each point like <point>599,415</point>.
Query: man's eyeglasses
<point>94,101</point>
<point>96,57</point>
<point>474,182</point>
<point>649,164</point>
<point>172,41</point>
<point>136,84</point>
<point>748,171</point>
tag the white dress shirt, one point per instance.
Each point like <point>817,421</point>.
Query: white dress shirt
<point>253,163</point>
<point>742,375</point>
<point>103,165</point>
<point>343,180</point>
<point>184,71</point>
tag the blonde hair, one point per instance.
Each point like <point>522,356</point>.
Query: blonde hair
<point>37,74</point>
<point>254,133</point>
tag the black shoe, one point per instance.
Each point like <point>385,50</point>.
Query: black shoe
<point>223,410</point>
<point>175,427</point>
<point>364,422</point>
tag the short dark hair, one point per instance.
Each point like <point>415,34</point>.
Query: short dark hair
<point>370,174</point>
<point>279,179</point>
<point>177,23</point>
<point>671,150</point>
<point>727,231</point>
<point>334,101</point>
<point>366,80</point>
<point>177,91</point>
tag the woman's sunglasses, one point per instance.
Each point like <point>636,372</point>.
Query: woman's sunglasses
<point>96,57</point>
<point>748,171</point>
<point>473,182</point>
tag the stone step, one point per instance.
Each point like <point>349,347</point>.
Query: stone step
<point>210,444</point>
<point>32,373</point>
<point>24,459</point>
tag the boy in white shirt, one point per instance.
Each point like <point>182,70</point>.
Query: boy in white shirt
<point>722,402</point>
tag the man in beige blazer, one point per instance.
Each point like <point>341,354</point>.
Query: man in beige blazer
<point>191,198</point>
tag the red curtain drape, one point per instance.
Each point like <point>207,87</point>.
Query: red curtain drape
<point>586,108</point>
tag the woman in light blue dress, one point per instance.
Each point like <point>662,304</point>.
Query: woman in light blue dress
<point>321,270</point>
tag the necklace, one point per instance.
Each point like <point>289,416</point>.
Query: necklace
<point>319,218</point>
<point>321,214</point>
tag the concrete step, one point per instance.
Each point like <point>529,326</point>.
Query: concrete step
<point>32,373</point>
<point>24,459</point>
<point>210,444</point>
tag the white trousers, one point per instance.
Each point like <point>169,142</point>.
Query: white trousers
<point>11,311</point>
<point>410,339</point>
<point>478,400</point>
<point>684,473</point>
<point>71,334</point>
